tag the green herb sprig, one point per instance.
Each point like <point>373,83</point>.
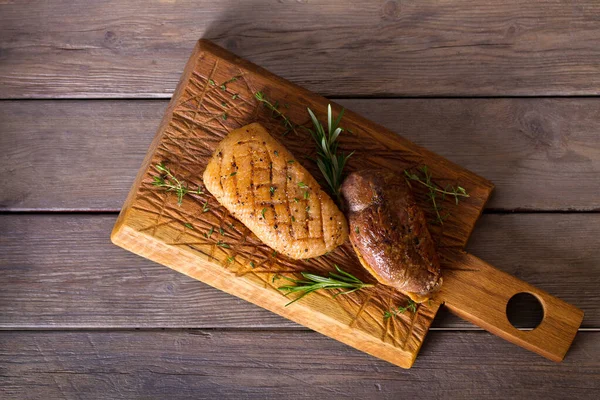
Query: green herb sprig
<point>435,191</point>
<point>329,161</point>
<point>167,180</point>
<point>312,282</point>
<point>223,244</point>
<point>411,306</point>
<point>224,84</point>
<point>274,107</point>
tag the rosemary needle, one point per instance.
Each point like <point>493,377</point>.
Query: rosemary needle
<point>411,306</point>
<point>274,107</point>
<point>312,282</point>
<point>434,190</point>
<point>222,244</point>
<point>329,162</point>
<point>169,181</point>
<point>455,192</point>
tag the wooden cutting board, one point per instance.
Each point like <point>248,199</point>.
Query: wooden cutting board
<point>216,95</point>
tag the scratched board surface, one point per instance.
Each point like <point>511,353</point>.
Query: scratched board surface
<point>201,239</point>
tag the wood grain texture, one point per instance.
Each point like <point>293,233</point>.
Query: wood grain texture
<point>61,271</point>
<point>259,365</point>
<point>215,96</point>
<point>72,155</point>
<point>111,48</point>
<point>480,293</point>
<point>532,149</point>
<point>67,275</point>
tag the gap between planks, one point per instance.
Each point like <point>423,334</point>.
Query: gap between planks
<point>225,329</point>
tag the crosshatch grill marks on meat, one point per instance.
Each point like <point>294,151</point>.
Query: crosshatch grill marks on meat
<point>268,185</point>
<point>234,178</point>
<point>322,226</point>
<point>264,194</point>
<point>287,203</point>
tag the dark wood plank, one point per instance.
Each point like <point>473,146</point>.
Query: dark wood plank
<point>60,270</point>
<point>302,365</point>
<point>110,48</point>
<point>72,155</point>
<point>542,154</point>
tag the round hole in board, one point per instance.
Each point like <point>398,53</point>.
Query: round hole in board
<point>524,310</point>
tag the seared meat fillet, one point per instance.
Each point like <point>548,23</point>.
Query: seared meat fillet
<point>389,233</point>
<point>261,184</point>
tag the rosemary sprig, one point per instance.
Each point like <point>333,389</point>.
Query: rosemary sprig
<point>224,84</point>
<point>274,107</point>
<point>435,190</point>
<point>456,192</point>
<point>312,282</point>
<point>411,306</point>
<point>329,162</point>
<point>167,180</point>
<point>223,244</point>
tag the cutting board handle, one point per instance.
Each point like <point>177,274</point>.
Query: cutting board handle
<point>479,293</point>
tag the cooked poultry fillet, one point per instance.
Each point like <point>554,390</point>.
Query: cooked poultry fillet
<point>261,184</point>
<point>389,233</point>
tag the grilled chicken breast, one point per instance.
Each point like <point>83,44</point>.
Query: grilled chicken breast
<point>389,233</point>
<point>261,184</point>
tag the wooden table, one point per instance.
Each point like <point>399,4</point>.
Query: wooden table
<point>507,89</point>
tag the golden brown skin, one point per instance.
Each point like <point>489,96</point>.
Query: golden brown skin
<point>389,233</point>
<point>261,184</point>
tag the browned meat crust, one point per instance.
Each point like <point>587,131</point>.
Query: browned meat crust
<point>261,183</point>
<point>389,232</point>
